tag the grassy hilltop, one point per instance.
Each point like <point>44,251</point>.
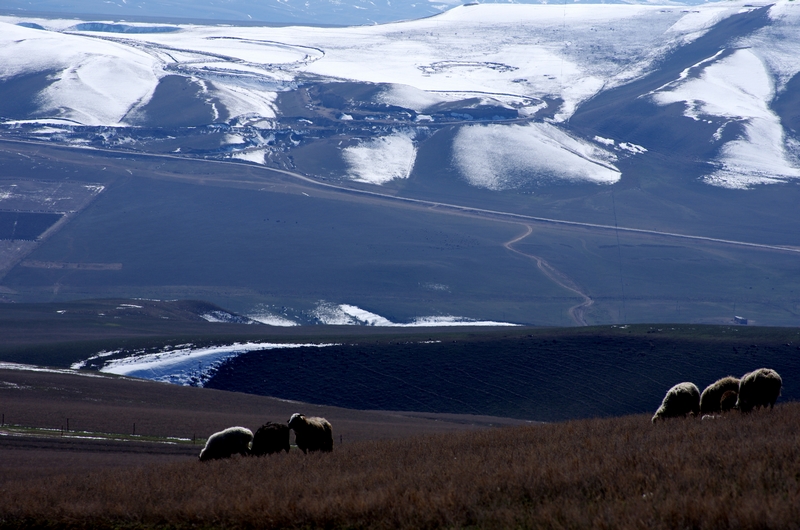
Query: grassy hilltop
<point>734,471</point>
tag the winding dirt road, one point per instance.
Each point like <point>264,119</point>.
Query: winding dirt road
<point>577,312</point>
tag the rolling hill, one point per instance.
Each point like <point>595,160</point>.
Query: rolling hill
<point>528,373</point>
<point>510,164</point>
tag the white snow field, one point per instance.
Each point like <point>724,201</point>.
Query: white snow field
<point>523,51</point>
<point>499,157</point>
<point>382,159</point>
<point>510,54</point>
<point>98,82</point>
<point>186,365</point>
<point>739,87</point>
<point>350,315</point>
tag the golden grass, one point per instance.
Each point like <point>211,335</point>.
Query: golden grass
<point>736,471</point>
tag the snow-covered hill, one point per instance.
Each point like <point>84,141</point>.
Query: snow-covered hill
<point>510,77</point>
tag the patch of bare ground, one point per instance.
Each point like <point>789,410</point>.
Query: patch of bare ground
<point>734,471</point>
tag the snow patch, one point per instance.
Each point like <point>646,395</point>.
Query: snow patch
<point>382,159</point>
<point>96,82</point>
<point>350,315</point>
<point>271,319</point>
<point>738,89</point>
<point>632,148</point>
<point>234,139</point>
<point>500,157</point>
<point>605,141</point>
<point>82,364</point>
<point>257,156</point>
<point>34,368</point>
<point>225,317</point>
<point>408,97</point>
<point>778,43</point>
<point>188,366</point>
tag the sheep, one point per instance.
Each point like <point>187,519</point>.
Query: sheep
<point>270,438</point>
<point>728,400</point>
<point>311,434</point>
<point>681,399</point>
<point>758,388</point>
<point>710,398</point>
<point>224,444</point>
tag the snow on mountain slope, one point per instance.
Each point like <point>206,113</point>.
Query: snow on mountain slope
<point>570,52</point>
<point>739,89</point>
<point>187,365</point>
<point>350,315</point>
<point>738,85</point>
<point>499,157</point>
<point>382,159</point>
<point>519,57</point>
<point>778,44</point>
<point>92,84</point>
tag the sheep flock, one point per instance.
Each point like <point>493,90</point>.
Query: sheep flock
<point>311,434</point>
<point>756,389</point>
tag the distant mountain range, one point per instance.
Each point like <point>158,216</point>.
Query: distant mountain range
<point>508,163</point>
<point>335,12</point>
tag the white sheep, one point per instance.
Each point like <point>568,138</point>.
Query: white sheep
<point>681,399</point>
<point>711,398</point>
<point>311,434</point>
<point>759,388</point>
<point>225,444</point>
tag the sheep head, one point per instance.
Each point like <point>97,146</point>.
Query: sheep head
<point>295,420</point>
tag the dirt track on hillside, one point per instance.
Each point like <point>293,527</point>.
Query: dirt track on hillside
<point>576,312</point>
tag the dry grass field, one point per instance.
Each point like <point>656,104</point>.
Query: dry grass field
<point>110,404</point>
<point>733,471</point>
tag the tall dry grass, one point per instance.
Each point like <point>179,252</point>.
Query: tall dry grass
<point>736,471</point>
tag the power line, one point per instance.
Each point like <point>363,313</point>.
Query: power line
<point>619,257</point>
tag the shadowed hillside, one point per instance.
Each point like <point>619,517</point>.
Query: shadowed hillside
<point>533,374</point>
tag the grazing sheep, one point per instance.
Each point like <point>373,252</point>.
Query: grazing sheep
<point>728,400</point>
<point>710,398</point>
<point>759,388</point>
<point>681,399</point>
<point>225,444</point>
<point>311,434</point>
<point>270,438</point>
